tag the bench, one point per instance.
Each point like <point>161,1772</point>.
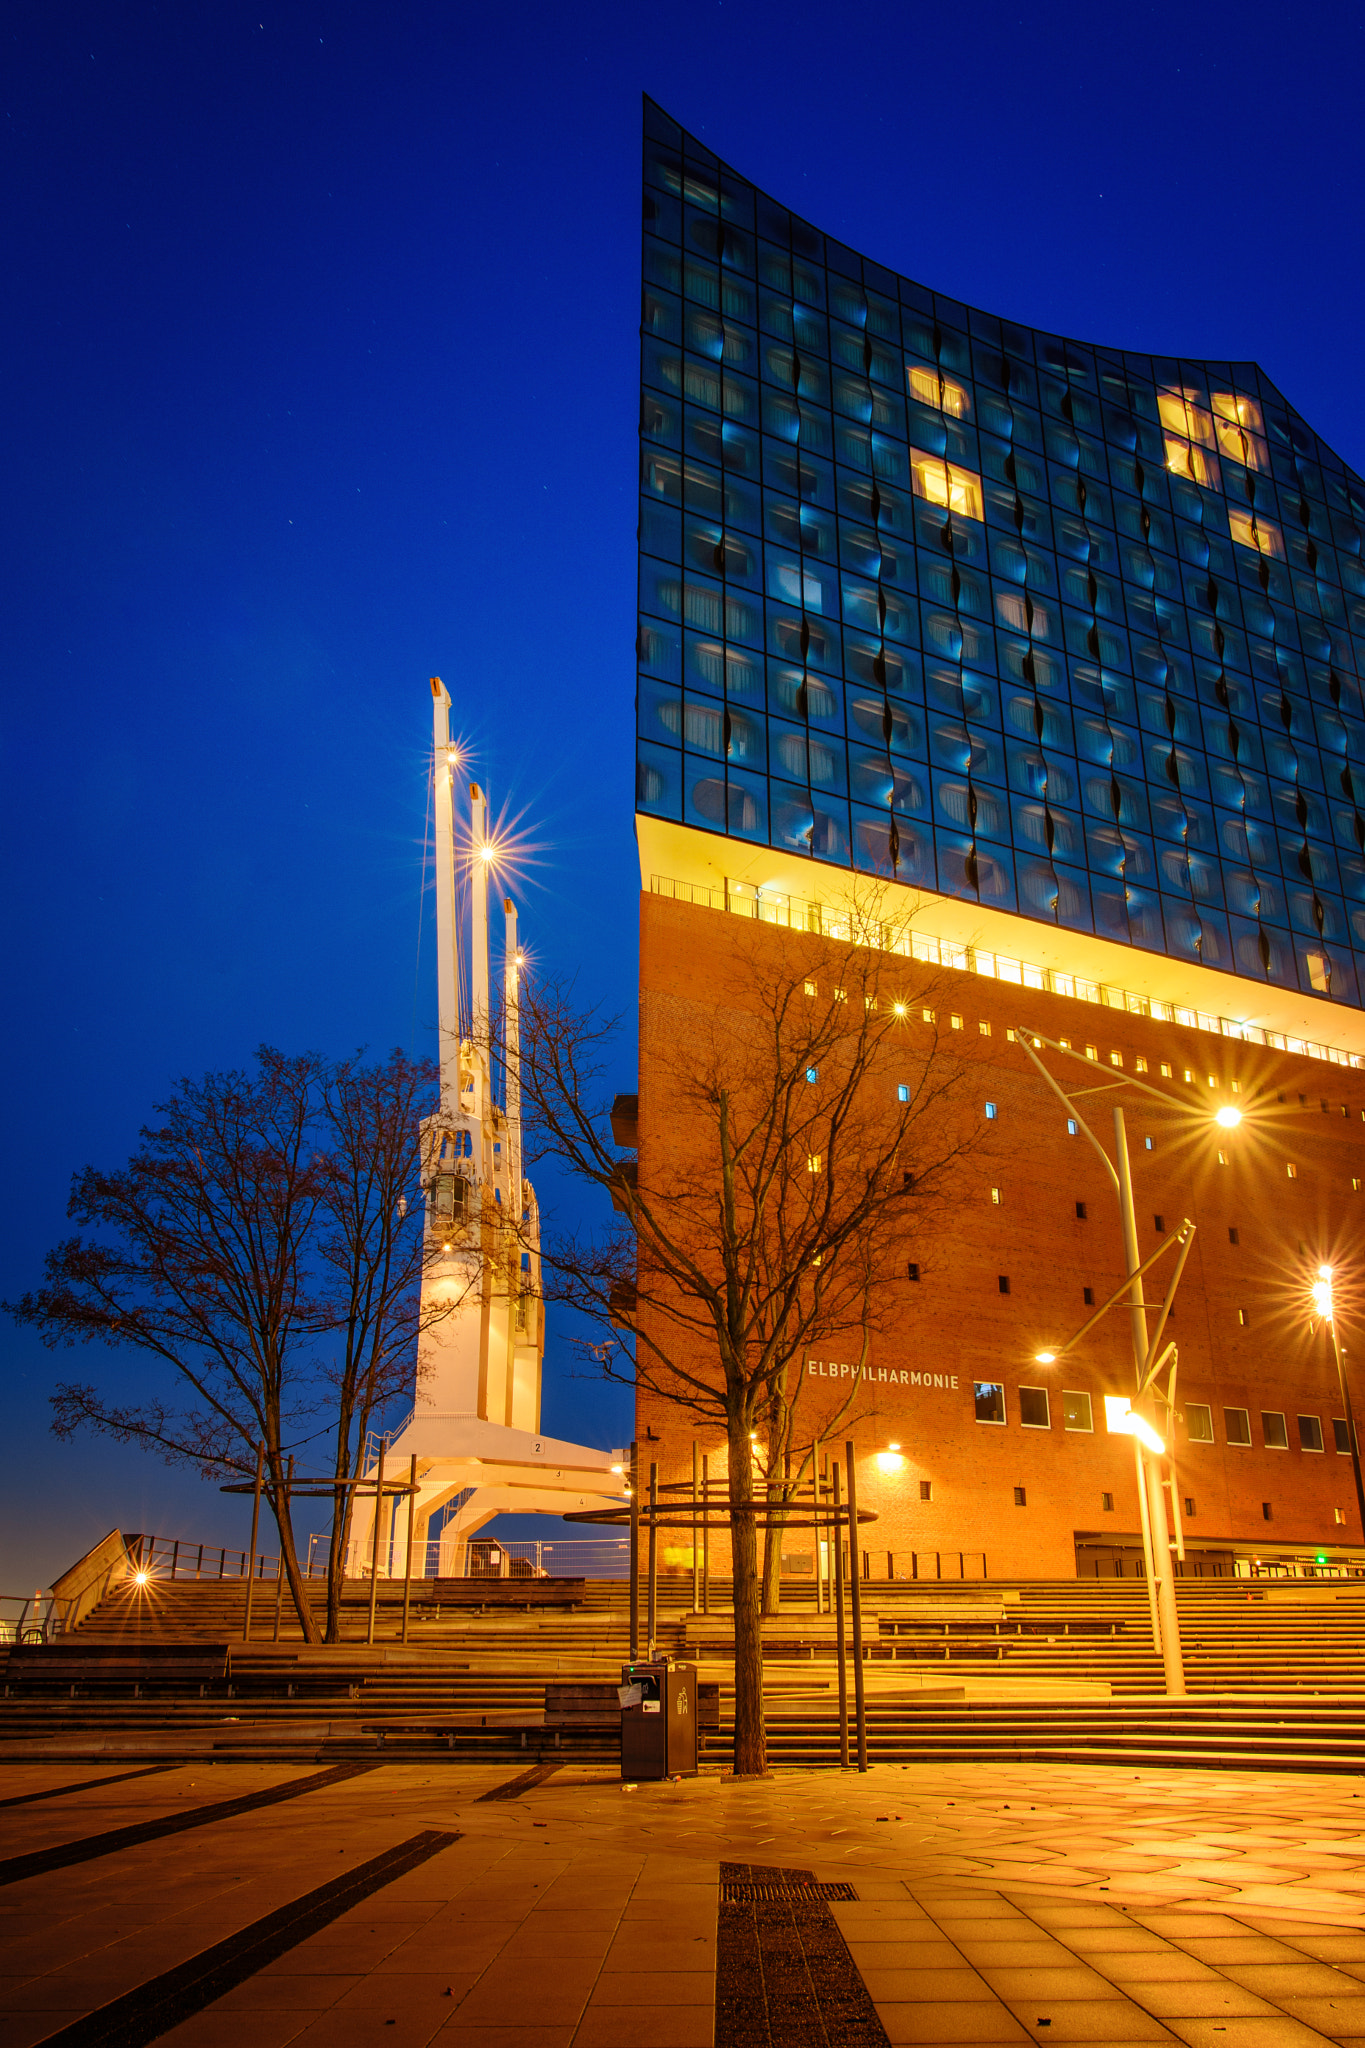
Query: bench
<point>500,1596</point>
<point>53,1669</point>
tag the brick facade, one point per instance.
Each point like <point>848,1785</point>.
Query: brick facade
<point>1241,1319</point>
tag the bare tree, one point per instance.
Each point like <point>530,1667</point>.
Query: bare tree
<point>265,1243</point>
<point>810,1138</point>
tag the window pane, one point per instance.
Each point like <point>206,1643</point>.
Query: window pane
<point>1273,1433</point>
<point>990,1401</point>
<point>1199,1422</point>
<point>1342,1435</point>
<point>1076,1411</point>
<point>1310,1433</point>
<point>1237,1424</point>
<point>1033,1409</point>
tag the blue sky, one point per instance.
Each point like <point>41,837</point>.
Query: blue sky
<point>320,377</point>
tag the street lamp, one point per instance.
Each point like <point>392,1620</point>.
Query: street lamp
<point>1148,1355</point>
<point>1324,1302</point>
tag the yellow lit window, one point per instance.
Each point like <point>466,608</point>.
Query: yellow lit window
<point>1181,415</point>
<point>1166,1070</point>
<point>841,995</point>
<point>928,1016</point>
<point>1293,1172</point>
<point>1065,1044</point>
<point>1092,1052</point>
<point>931,389</point>
<point>1355,1184</point>
<point>1188,1075</point>
<point>1240,429</point>
<point>812,1162</point>
<point>1249,532</point>
<point>995,1196</point>
<point>984,1028</point>
<point>1116,1059</point>
<point>955,1021</point>
<point>943,483</point>
<point>1186,460</point>
<point>1222,1158</point>
<point>1141,1065</point>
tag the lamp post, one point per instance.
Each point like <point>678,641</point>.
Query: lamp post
<point>1325,1303</point>
<point>1148,1356</point>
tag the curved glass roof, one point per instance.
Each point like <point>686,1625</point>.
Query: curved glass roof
<point>1064,630</point>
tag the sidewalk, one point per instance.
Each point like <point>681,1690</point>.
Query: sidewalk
<point>993,1904</point>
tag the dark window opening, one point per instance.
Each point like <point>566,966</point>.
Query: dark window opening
<point>926,1489</point>
<point>1266,1512</point>
<point>1020,1497</point>
<point>1233,1238</point>
<point>1108,1502</point>
<point>1342,1435</point>
<point>1160,1222</point>
<point>1189,1506</point>
<point>1088,1294</point>
<point>1080,1211</point>
<point>912,1270</point>
<point>1004,1283</point>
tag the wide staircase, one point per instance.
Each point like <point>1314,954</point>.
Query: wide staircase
<point>1061,1670</point>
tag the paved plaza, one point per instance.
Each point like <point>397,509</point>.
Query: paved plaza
<point>557,1910</point>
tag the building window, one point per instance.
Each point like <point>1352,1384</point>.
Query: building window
<point>1242,1317</point>
<point>1004,1283</point>
<point>1293,1172</point>
<point>990,1401</point>
<point>929,1016</point>
<point>990,1112</point>
<point>1071,1127</point>
<point>926,1489</point>
<point>1237,1424</point>
<point>1147,1143</point>
<point>912,1270</point>
<point>1088,1296</point>
<point>812,1073</point>
<point>1080,1211</point>
<point>995,1202</point>
<point>1355,1184</point>
<point>1076,1411</point>
<point>1310,1433</point>
<point>1107,1503</point>
<point>1020,1497</point>
<point>1189,1505</point>
<point>1233,1238</point>
<point>1338,1516</point>
<point>932,389</point>
<point>902,1092</point>
<point>1189,1074</point>
<point>1092,1052</point>
<point>1267,1514</point>
<point>984,1028</point>
<point>812,1162</point>
<point>1342,1436</point>
<point>1116,1059</point>
<point>841,995</point>
<point>1160,1223</point>
<point>1222,1158</point>
<point>1033,1408</point>
<point>955,1021</point>
<point>810,988</point>
<point>1198,1422</point>
<point>943,483</point>
<point>1274,1435</point>
<point>1165,1070</point>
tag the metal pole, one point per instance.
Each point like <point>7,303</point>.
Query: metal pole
<point>1153,1610</point>
<point>859,1701</point>
<point>1171,1657</point>
<point>374,1545</point>
<point>815,1517</point>
<point>634,1554</point>
<point>653,1558</point>
<point>255,1524</point>
<point>696,1560</point>
<point>705,1533</point>
<point>1350,1420</point>
<point>838,1533</point>
<point>407,1571</point>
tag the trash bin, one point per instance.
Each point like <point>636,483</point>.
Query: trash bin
<point>658,1720</point>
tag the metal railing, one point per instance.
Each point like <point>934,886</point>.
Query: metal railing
<point>770,906</point>
<point>934,1564</point>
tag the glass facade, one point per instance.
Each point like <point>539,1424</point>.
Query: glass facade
<point>1058,629</point>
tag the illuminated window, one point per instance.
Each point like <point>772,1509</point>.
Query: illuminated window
<point>1242,1317</point>
<point>1071,1127</point>
<point>929,1016</point>
<point>943,483</point>
<point>810,988</point>
<point>1239,428</point>
<point>1092,1052</point>
<point>990,1111</point>
<point>1189,1076</point>
<point>955,1021</point>
<point>984,1028</point>
<point>1148,1144</point>
<point>812,1162</point>
<point>1065,1044</point>
<point>1181,414</point>
<point>995,1198</point>
<point>1250,532</point>
<point>1355,1184</point>
<point>1195,463</point>
<point>1292,1171</point>
<point>841,995</point>
<point>902,1092</point>
<point>1166,1070</point>
<point>1222,1158</point>
<point>932,389</point>
<point>1140,1065</point>
<point>1116,1059</point>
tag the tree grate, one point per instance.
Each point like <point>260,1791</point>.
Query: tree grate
<point>734,1893</point>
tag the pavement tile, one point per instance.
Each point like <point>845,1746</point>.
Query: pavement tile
<point>509,1992</point>
<point>1275,2031</point>
<point>286,1994</point>
<point>975,2025</point>
<point>215,2028</point>
<point>1129,1966</point>
<point>948,1986</point>
<point>659,2026</point>
<point>654,1987</point>
<point>1030,1984</point>
<point>1211,1999</point>
<point>1088,2019</point>
<point>508,2037</point>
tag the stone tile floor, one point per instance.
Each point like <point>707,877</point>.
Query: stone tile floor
<point>996,1903</point>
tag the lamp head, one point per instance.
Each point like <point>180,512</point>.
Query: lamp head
<point>1228,1117</point>
<point>1045,1358</point>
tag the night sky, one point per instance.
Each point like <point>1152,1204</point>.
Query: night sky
<point>319,364</point>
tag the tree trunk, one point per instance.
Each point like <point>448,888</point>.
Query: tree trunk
<point>341,1531</point>
<point>751,1740</point>
<point>772,1551</point>
<point>289,1558</point>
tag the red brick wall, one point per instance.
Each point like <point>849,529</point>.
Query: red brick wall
<point>955,1321</point>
